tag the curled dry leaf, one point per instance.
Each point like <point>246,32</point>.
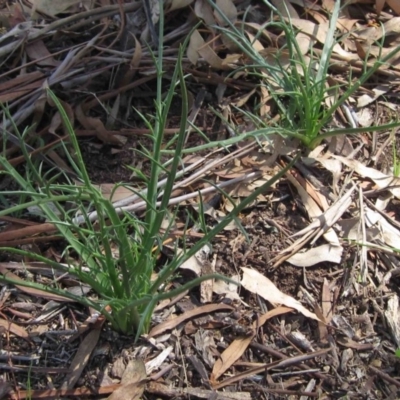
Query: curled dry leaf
<point>177,4</point>
<point>229,356</point>
<point>256,283</point>
<point>156,362</point>
<point>285,8</point>
<point>239,345</point>
<point>203,10</point>
<point>381,180</point>
<point>228,9</point>
<point>331,165</point>
<point>172,323</point>
<point>38,51</point>
<point>111,191</point>
<point>52,7</point>
<point>96,124</point>
<point>132,382</point>
<point>227,289</point>
<point>366,99</point>
<point>309,203</point>
<point>319,32</point>
<point>380,230</point>
<point>316,255</point>
<point>197,46</point>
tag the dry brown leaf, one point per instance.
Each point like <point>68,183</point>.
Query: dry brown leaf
<point>96,124</point>
<point>235,171</point>
<point>228,9</point>
<point>193,264</point>
<point>333,166</point>
<point>177,4</point>
<point>327,312</point>
<point>374,33</point>
<point>242,100</point>
<point>111,191</point>
<point>314,212</point>
<point>319,32</point>
<point>20,86</point>
<point>256,44</point>
<point>134,64</point>
<point>381,180</point>
<point>304,42</point>
<point>172,323</point>
<point>380,230</point>
<point>285,8</point>
<point>132,382</point>
<point>229,356</point>
<point>56,121</point>
<point>366,99</point>
<point>81,358</point>
<point>11,327</point>
<point>239,346</point>
<point>38,51</point>
<point>197,46</point>
<point>320,18</point>
<point>203,10</point>
<point>52,7</point>
<point>256,283</point>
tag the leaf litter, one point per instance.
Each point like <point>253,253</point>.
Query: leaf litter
<point>337,267</point>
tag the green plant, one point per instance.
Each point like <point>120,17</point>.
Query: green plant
<point>396,161</point>
<point>113,251</point>
<point>299,88</point>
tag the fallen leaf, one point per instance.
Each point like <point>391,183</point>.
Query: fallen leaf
<point>381,180</point>
<point>239,346</point>
<point>177,4</point>
<point>256,283</point>
<point>316,255</point>
<point>38,51</point>
<point>32,291</point>
<point>132,382</point>
<point>81,358</point>
<point>8,326</point>
<point>228,9</point>
<point>227,289</point>
<point>229,356</point>
<point>366,99</point>
<point>197,46</point>
<point>172,323</point>
<point>52,7</point>
<point>204,11</point>
<point>285,8</point>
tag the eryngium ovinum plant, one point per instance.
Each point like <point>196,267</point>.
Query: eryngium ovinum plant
<point>115,253</point>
